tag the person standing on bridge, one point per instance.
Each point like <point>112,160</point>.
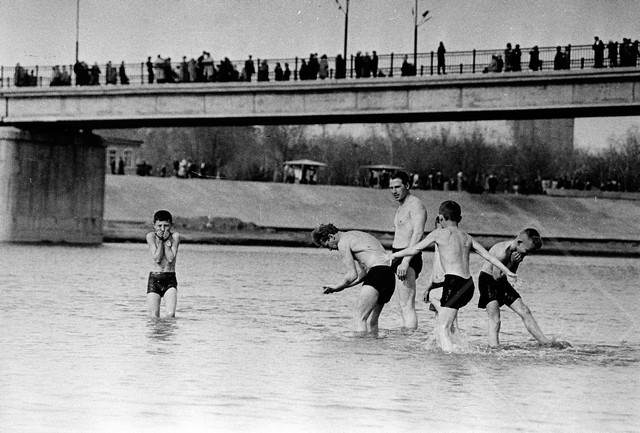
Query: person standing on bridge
<point>441,63</point>
<point>409,221</point>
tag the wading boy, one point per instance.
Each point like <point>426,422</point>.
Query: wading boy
<point>163,246</point>
<point>454,248</point>
<point>495,290</point>
<point>366,261</point>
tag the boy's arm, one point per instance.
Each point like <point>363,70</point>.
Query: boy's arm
<point>412,251</point>
<point>497,263</point>
<point>156,250</point>
<point>171,247</point>
<point>351,271</point>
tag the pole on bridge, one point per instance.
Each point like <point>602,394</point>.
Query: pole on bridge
<point>391,68</point>
<point>473,68</point>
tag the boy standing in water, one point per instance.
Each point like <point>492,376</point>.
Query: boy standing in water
<point>365,261</point>
<point>495,290</point>
<point>454,248</point>
<point>163,246</point>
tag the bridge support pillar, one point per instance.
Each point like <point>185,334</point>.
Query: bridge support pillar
<point>52,186</point>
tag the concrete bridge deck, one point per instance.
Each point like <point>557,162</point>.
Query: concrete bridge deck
<point>530,95</point>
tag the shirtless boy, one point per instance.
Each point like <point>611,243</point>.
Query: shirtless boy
<point>495,290</point>
<point>366,261</point>
<point>454,247</point>
<point>409,221</point>
<point>163,246</point>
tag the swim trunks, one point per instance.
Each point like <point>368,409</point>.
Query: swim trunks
<point>415,263</point>
<point>495,290</point>
<point>383,279</point>
<point>456,292</point>
<point>160,282</point>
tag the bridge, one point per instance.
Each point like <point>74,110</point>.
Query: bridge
<point>52,168</point>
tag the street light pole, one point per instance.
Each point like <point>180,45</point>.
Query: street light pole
<point>346,30</point>
<point>417,24</point>
<point>77,28</point>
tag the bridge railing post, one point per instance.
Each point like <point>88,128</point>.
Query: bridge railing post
<point>582,63</point>
<point>391,67</point>
<point>1,76</point>
<point>295,71</point>
<point>473,66</point>
<point>421,70</point>
<point>141,72</point>
<point>38,77</point>
<point>461,67</point>
<point>431,73</point>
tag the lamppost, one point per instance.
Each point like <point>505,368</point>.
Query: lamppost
<point>346,25</point>
<point>417,24</point>
<point>77,27</point>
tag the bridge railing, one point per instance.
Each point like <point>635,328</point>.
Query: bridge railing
<point>389,65</point>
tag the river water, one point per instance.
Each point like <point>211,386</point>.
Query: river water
<point>257,347</point>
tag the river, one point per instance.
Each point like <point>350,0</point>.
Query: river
<point>257,347</point>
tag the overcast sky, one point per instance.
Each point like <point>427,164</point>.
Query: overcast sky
<point>43,32</point>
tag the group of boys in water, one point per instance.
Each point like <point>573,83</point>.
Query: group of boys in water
<point>384,274</point>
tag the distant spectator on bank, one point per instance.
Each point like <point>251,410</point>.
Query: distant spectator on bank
<point>314,66</point>
<point>65,77</point>
<point>184,70</point>
<point>567,57</point>
<point>95,74</point>
<point>263,71</point>
<point>598,52</point>
<point>374,64</point>
<point>286,75</point>
<point>208,67</point>
<point>534,59</point>
<point>494,65</point>
<point>441,63</point>
<point>121,166</point>
<point>192,68</point>
<point>112,165</point>
<point>111,74</point>
<point>516,59</point>
<point>341,67</point>
<point>249,68</point>
<point>150,74</point>
<point>612,49</point>
<point>323,71</point>
<point>20,76</point>
<point>123,74</point>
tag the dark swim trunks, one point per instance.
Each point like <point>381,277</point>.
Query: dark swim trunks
<point>160,282</point>
<point>415,263</point>
<point>457,291</point>
<point>495,290</point>
<point>383,279</point>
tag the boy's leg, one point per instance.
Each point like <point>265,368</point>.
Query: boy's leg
<point>373,319</point>
<point>367,301</point>
<point>170,301</point>
<point>529,322</point>
<point>153,304</point>
<point>406,295</point>
<point>434,297</point>
<point>446,318</point>
<point>493,311</point>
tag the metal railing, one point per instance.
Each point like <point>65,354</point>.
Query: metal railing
<point>388,65</point>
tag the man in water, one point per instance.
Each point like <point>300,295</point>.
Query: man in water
<point>365,260</point>
<point>495,290</point>
<point>409,221</point>
<point>163,246</point>
<point>454,247</point>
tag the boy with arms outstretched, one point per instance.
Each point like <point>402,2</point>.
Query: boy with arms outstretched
<point>454,248</point>
<point>163,246</point>
<point>366,261</point>
<point>495,290</point>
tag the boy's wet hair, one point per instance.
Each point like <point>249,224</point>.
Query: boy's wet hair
<point>402,175</point>
<point>534,237</point>
<point>451,211</point>
<point>321,234</point>
<point>162,215</point>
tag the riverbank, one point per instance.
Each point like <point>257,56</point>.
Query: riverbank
<point>251,213</point>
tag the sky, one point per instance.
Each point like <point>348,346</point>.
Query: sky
<point>43,32</point>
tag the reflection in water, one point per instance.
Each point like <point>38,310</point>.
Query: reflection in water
<point>161,330</point>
